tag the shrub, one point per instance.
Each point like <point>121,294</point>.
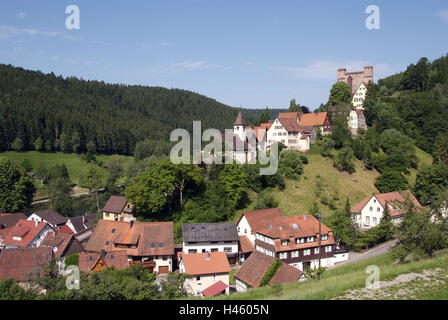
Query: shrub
<point>270,273</point>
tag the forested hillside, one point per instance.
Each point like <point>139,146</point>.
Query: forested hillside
<point>47,113</point>
<point>414,101</point>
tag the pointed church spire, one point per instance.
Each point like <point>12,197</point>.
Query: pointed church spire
<point>240,120</point>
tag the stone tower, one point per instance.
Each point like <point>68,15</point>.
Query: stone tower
<point>354,79</point>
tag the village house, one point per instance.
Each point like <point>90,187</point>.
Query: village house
<point>7,222</point>
<point>94,261</point>
<point>286,129</point>
<point>211,237</point>
<point>51,217</point>
<point>209,273</point>
<point>295,241</point>
<point>81,223</point>
<point>320,121</point>
<point>150,244</point>
<point>63,245</point>
<point>24,264</point>
<point>117,208</point>
<point>357,82</point>
<point>254,269</point>
<point>27,234</point>
<point>250,221</point>
<point>369,211</point>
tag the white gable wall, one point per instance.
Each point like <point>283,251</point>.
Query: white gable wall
<point>244,229</point>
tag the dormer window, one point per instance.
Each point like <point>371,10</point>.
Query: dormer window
<point>284,243</point>
<point>310,239</point>
<point>324,237</point>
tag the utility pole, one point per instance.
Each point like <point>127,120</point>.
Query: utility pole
<point>320,254</point>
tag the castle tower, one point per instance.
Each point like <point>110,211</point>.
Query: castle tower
<point>341,74</point>
<point>239,127</point>
<point>368,74</point>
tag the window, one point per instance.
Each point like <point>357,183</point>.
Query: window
<point>307,252</point>
<point>153,245</point>
<point>198,278</point>
<point>324,237</point>
<point>113,230</point>
<point>107,214</point>
<point>316,250</point>
<point>160,245</point>
<point>192,251</point>
<point>214,249</point>
<point>373,221</point>
<point>284,243</point>
<point>283,255</point>
<point>238,229</point>
<point>328,249</point>
<point>107,243</point>
<point>367,221</point>
<point>378,209</point>
<point>310,239</point>
<point>227,249</point>
<point>371,208</point>
<point>294,254</point>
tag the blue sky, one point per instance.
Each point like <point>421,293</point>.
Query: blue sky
<point>242,53</point>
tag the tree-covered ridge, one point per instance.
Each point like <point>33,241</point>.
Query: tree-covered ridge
<point>48,112</point>
<point>414,101</point>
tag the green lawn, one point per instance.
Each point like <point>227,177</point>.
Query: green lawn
<point>337,281</point>
<point>299,195</point>
<point>72,161</point>
<point>425,159</point>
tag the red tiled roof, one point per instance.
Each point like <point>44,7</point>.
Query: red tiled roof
<point>59,240</point>
<point>292,115</point>
<point>205,263</point>
<point>149,238</point>
<point>65,229</point>
<point>23,264</point>
<point>117,259</point>
<point>214,289</point>
<point>246,245</point>
<point>393,199</point>
<point>258,219</point>
<point>254,268</point>
<point>115,204</point>
<point>266,125</point>
<point>25,229</point>
<point>286,274</point>
<point>313,119</point>
<point>289,124</point>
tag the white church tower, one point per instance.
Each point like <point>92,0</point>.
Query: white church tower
<point>239,127</point>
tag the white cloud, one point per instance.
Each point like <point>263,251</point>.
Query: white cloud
<point>10,32</point>
<point>21,15</point>
<point>194,65</point>
<point>101,43</point>
<point>326,69</point>
<point>443,15</point>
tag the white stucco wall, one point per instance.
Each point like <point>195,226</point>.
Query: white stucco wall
<point>244,229</point>
<point>207,246</point>
<point>376,212</point>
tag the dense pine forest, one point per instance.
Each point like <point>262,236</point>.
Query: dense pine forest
<point>46,112</point>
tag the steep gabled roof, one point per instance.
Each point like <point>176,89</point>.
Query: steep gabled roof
<point>115,204</point>
<point>23,264</point>
<point>148,238</point>
<point>52,217</point>
<point>117,259</point>
<point>205,232</point>
<point>394,199</point>
<point>313,119</point>
<point>259,219</point>
<point>246,245</point>
<point>80,223</point>
<point>25,229</point>
<point>59,240</point>
<point>289,124</point>
<point>255,267</point>
<point>205,263</point>
<point>240,120</point>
